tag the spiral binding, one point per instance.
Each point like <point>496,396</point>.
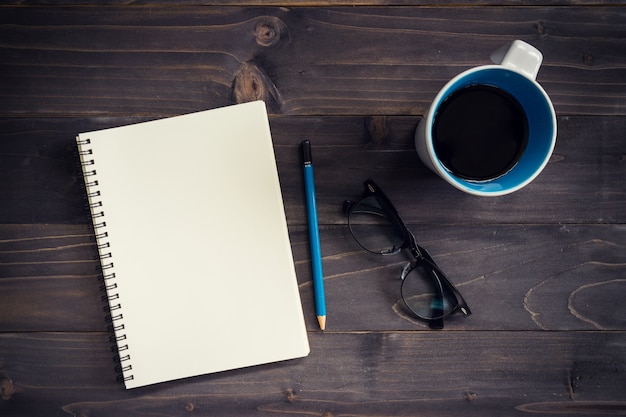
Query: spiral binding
<point>110,297</point>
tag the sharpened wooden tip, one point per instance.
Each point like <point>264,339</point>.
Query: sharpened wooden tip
<point>322,321</point>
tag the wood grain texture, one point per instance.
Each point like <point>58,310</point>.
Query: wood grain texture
<point>315,3</point>
<point>368,374</point>
<point>585,182</point>
<point>389,61</point>
<point>542,269</point>
<point>515,277</point>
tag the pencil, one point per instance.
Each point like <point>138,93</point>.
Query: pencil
<point>314,236</point>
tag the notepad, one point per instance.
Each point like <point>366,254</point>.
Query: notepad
<point>193,241</point>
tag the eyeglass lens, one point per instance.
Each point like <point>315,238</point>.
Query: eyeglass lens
<point>422,290</point>
<point>424,295</point>
<point>372,229</point>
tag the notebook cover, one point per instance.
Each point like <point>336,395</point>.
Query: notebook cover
<point>194,246</point>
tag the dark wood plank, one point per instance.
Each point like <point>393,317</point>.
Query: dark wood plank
<point>514,278</point>
<point>316,3</point>
<point>304,61</point>
<point>367,374</point>
<point>584,183</point>
<point>542,269</point>
<point>526,277</point>
<point>50,279</point>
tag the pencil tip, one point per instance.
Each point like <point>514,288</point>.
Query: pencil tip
<point>322,321</point>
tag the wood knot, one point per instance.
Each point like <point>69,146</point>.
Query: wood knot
<point>377,128</point>
<point>589,59</point>
<point>541,30</point>
<point>470,396</point>
<point>251,83</point>
<point>290,395</point>
<point>270,30</point>
<point>7,389</point>
<point>189,407</point>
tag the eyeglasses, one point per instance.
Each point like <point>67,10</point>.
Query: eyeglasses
<point>377,228</point>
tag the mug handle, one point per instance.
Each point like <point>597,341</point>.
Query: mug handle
<point>519,56</point>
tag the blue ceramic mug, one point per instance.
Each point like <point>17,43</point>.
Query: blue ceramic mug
<point>492,129</point>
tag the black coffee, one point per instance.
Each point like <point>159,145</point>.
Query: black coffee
<point>480,132</point>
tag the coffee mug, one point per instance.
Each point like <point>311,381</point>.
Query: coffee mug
<point>491,129</point>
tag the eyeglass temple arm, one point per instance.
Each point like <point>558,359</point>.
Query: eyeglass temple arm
<point>347,206</point>
<point>463,307</point>
<point>371,188</point>
<point>418,251</point>
<point>389,211</point>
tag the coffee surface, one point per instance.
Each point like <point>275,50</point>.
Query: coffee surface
<point>480,132</point>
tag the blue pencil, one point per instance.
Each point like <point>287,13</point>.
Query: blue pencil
<point>314,236</point>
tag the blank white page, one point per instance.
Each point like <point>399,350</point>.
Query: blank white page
<point>199,244</point>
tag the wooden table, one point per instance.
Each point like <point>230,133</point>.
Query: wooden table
<point>543,269</point>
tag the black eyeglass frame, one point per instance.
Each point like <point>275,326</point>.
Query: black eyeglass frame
<point>421,256</point>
